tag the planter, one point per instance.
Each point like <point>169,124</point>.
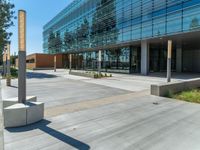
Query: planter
<point>90,74</point>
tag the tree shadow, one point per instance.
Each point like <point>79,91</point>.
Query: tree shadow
<point>13,86</point>
<point>43,126</point>
<point>38,75</point>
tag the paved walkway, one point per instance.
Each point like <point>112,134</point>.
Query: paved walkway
<point>83,115</point>
<point>133,82</point>
<point>88,104</point>
<point>129,82</point>
<point>1,123</point>
<point>57,91</point>
<point>133,124</point>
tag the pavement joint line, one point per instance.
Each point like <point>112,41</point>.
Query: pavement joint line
<point>69,127</point>
<point>88,104</point>
<point>79,123</point>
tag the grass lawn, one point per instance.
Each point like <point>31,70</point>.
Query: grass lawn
<point>189,96</point>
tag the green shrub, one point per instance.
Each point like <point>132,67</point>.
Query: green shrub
<point>96,76</point>
<point>14,72</point>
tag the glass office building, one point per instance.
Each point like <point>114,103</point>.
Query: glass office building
<point>132,35</point>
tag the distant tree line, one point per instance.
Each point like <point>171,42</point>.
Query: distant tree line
<point>194,25</point>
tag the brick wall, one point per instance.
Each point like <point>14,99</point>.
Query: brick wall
<point>35,61</point>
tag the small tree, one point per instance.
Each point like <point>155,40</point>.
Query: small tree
<point>194,24</point>
<point>54,43</point>
<point>58,43</point>
<point>102,23</point>
<point>51,42</point>
<point>85,28</point>
<point>68,39</point>
<point>13,59</point>
<point>6,16</point>
<point>116,55</point>
<point>82,34</point>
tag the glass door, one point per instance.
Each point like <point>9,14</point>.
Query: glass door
<point>135,59</point>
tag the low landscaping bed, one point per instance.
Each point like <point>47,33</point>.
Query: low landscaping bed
<point>189,96</point>
<point>90,74</point>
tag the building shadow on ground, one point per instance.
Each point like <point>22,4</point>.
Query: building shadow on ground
<point>43,126</point>
<point>38,75</point>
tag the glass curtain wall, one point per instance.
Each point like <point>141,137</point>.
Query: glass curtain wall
<point>89,25</point>
<point>85,61</point>
<point>116,60</point>
<point>158,57</point>
<point>112,60</point>
<point>99,23</point>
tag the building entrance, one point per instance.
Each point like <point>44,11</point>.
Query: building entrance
<point>158,57</point>
<point>135,59</point>
<point>191,56</point>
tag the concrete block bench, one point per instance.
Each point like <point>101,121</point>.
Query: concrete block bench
<point>11,101</point>
<point>174,87</point>
<point>23,114</point>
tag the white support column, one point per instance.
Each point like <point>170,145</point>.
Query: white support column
<point>144,58</point>
<point>99,62</point>
<point>179,58</point>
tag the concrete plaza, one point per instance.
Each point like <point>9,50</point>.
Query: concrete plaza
<point>111,113</point>
<point>1,126</point>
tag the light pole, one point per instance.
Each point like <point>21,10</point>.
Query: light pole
<point>70,62</point>
<point>54,63</point>
<point>8,58</point>
<point>23,110</point>
<point>8,78</point>
<point>169,57</point>
<point>99,62</point>
<point>4,61</point>
<point>22,56</point>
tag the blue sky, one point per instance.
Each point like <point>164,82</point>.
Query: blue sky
<point>39,12</point>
